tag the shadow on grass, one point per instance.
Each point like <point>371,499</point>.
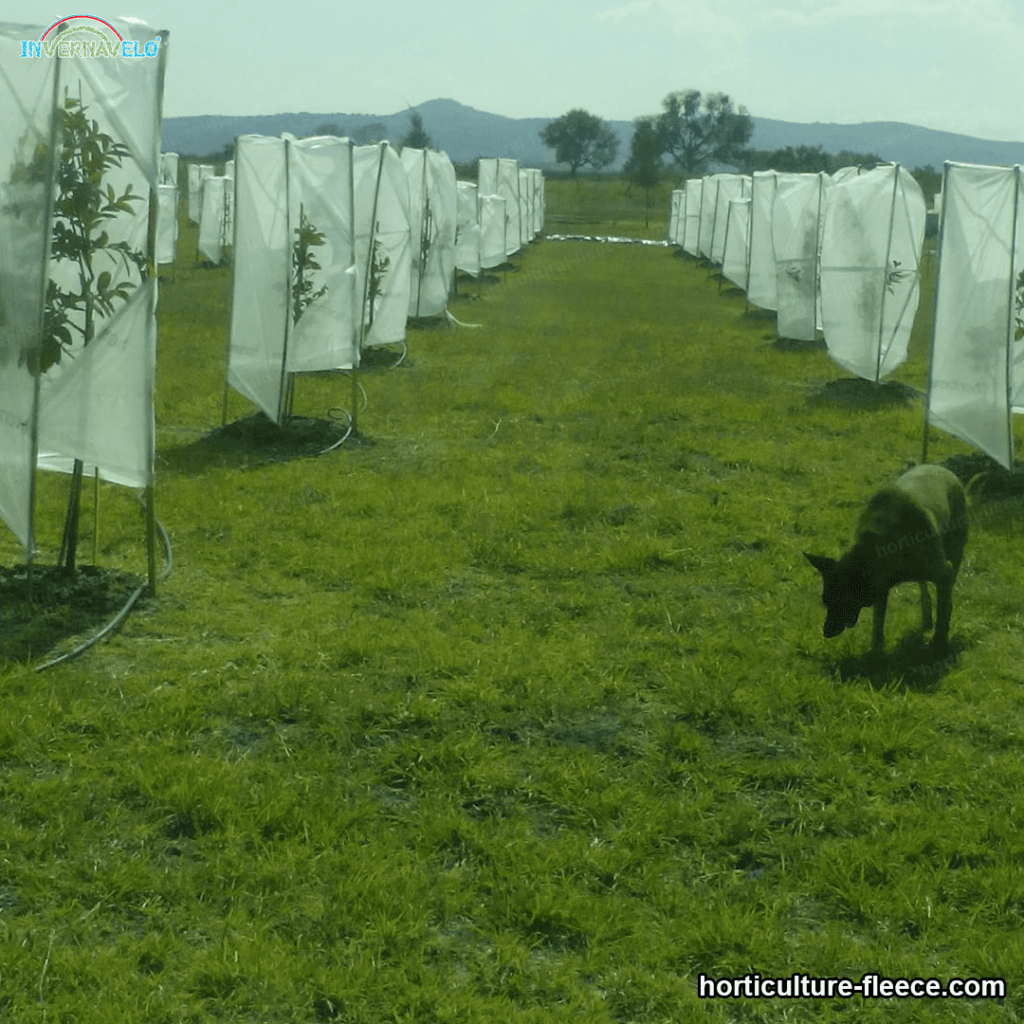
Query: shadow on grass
<point>857,393</point>
<point>63,606</point>
<point>799,345</point>
<point>912,663</point>
<point>256,441</point>
<point>999,484</point>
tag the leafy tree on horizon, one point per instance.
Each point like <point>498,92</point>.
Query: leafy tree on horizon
<point>369,133</point>
<point>579,139</point>
<point>644,167</point>
<point>417,138</point>
<point>695,131</point>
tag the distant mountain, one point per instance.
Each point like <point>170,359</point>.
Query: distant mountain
<point>465,134</point>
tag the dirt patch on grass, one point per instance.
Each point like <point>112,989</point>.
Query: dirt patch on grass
<point>64,606</point>
<point>257,440</point>
<point>857,393</point>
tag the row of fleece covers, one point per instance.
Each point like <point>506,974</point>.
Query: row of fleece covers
<point>976,373</point>
<point>374,234</point>
<point>839,254</point>
<point>868,256</point>
<point>96,403</point>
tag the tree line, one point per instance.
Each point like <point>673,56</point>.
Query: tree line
<point>693,133</point>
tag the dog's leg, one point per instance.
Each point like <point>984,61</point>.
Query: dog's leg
<point>926,608</point>
<point>943,612</point>
<point>878,631</point>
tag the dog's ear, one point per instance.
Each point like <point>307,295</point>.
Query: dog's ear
<point>821,563</point>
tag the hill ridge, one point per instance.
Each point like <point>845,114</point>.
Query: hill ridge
<point>465,133</point>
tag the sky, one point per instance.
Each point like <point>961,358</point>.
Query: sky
<point>952,65</point>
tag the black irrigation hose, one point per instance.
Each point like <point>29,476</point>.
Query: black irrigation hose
<point>118,619</point>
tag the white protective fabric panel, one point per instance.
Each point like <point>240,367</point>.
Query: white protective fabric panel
<point>797,214</point>
<point>493,223</point>
<point>761,274</point>
<point>730,186</point>
<point>467,232</point>
<point>102,413</point>
<point>433,204</point>
<point>676,215</point>
<point>508,186</point>
<point>537,178</point>
<point>98,405</point>
<point>197,174</point>
<point>215,222</point>
<point>525,207</point>
<point>383,237</point>
<point>169,169</point>
<point>193,198</point>
<point>166,223</point>
<point>976,376</point>
<point>27,97</point>
<point>261,271</point>
<point>691,228</point>
<point>324,336</point>
<point>281,186</point>
<point>736,242</point>
<point>487,176</point>
<point>708,208</point>
<point>870,269</point>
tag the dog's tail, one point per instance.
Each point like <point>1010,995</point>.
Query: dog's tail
<point>973,488</point>
<point>972,493</point>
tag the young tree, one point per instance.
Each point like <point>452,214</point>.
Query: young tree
<point>417,137</point>
<point>643,167</point>
<point>580,139</point>
<point>85,205</point>
<point>696,131</point>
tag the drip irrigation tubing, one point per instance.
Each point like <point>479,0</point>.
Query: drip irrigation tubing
<point>117,621</point>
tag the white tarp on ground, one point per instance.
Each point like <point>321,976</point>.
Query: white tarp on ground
<point>691,216</point>
<point>215,220</point>
<point>761,273</point>
<point>736,243</point>
<point>167,223</point>
<point>467,229</point>
<point>383,243</point>
<point>96,404</point>
<point>433,207</point>
<point>870,269</point>
<point>797,214</point>
<point>27,98</point>
<point>976,375</point>
<point>293,303</point>
<point>493,224</point>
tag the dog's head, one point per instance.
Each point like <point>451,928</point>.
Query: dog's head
<point>840,595</point>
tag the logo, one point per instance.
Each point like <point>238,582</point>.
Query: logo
<point>84,35</point>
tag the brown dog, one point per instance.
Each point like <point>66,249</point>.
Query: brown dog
<point>913,531</point>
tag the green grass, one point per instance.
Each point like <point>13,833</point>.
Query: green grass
<point>519,709</point>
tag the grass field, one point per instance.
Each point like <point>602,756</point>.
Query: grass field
<point>516,707</point>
